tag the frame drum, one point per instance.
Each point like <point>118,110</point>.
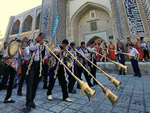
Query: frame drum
<point>13,48</point>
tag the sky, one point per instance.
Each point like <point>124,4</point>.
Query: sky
<point>13,7</point>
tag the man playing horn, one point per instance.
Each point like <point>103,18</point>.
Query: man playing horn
<point>92,48</point>
<point>58,71</point>
<point>84,52</point>
<point>37,52</point>
<point>73,68</point>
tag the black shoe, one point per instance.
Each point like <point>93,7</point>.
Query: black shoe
<point>19,94</point>
<point>124,73</point>
<point>33,105</point>
<point>119,74</point>
<point>134,75</point>
<point>78,87</point>
<point>95,84</point>
<point>72,91</point>
<point>27,109</point>
<point>45,87</point>
<point>91,85</point>
<point>9,101</point>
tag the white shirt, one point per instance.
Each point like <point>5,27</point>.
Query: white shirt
<point>35,48</point>
<point>5,52</point>
<point>84,52</point>
<point>73,52</point>
<point>92,49</point>
<point>63,54</point>
<point>47,54</point>
<point>26,53</point>
<point>133,51</point>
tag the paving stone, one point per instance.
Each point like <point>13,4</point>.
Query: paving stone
<point>56,108</point>
<point>101,111</point>
<point>147,109</point>
<point>66,110</point>
<point>119,110</point>
<point>134,111</point>
<point>134,97</point>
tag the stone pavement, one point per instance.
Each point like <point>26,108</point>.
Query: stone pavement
<point>134,96</point>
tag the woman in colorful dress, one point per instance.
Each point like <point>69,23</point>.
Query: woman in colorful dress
<point>138,47</point>
<point>111,51</point>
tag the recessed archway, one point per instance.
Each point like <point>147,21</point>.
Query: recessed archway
<point>96,39</point>
<point>27,24</point>
<point>15,28</point>
<point>38,21</point>
<point>77,25</point>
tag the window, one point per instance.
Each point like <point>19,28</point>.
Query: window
<point>92,14</point>
<point>93,26</point>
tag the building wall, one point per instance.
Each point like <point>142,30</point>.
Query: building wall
<point>76,4</point>
<point>102,20</point>
<point>33,13</point>
<point>74,20</point>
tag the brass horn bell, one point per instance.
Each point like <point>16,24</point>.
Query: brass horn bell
<point>111,96</point>
<point>88,91</point>
<point>51,47</point>
<point>116,82</point>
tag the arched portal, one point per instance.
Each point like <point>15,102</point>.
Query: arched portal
<point>38,21</point>
<point>96,39</point>
<point>15,28</point>
<point>91,19</point>
<point>27,24</point>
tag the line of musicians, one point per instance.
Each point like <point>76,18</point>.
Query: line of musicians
<point>38,61</point>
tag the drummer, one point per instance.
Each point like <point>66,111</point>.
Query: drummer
<point>9,72</point>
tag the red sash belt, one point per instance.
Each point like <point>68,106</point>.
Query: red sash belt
<point>46,61</point>
<point>26,61</point>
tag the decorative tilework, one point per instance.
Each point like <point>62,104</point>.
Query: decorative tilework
<point>134,18</point>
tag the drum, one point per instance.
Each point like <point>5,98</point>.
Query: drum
<point>13,48</point>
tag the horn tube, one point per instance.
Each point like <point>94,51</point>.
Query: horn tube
<point>84,86</point>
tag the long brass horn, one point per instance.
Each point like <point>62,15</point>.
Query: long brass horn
<point>112,79</point>
<point>130,55</point>
<point>120,66</point>
<point>84,86</point>
<point>108,94</point>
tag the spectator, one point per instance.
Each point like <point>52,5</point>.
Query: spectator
<point>103,51</point>
<point>138,47</point>
<point>148,46</point>
<point>144,48</point>
<point>99,51</point>
<point>128,42</point>
<point>111,51</point>
<point>120,56</point>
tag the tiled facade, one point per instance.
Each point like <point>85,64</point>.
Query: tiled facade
<point>75,20</point>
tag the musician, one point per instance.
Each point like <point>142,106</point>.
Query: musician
<point>46,66</point>
<point>24,68</point>
<point>3,50</point>
<point>37,51</point>
<point>11,65</point>
<point>59,71</point>
<point>134,62</point>
<point>120,56</point>
<point>73,68</point>
<point>20,55</point>
<point>85,52</point>
<point>92,48</point>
